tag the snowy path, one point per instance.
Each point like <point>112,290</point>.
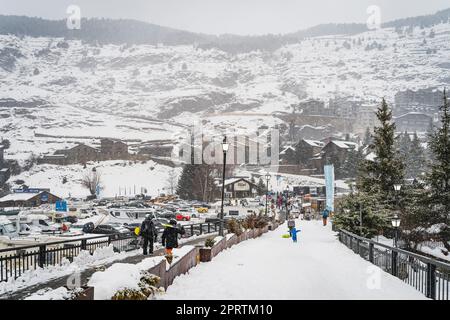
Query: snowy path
<point>271,267</point>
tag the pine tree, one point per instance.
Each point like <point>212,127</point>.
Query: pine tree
<point>380,175</point>
<point>367,137</point>
<point>184,189</point>
<point>438,178</point>
<point>415,164</point>
<point>375,218</point>
<point>261,187</point>
<point>352,163</point>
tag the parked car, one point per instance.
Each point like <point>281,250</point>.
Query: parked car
<point>115,228</point>
<point>182,216</point>
<point>166,215</point>
<point>202,210</point>
<point>191,212</point>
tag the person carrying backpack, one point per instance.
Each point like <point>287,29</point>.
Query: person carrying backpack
<point>148,233</point>
<point>169,237</point>
<point>325,214</point>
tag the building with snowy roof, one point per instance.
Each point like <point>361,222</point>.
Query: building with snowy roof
<point>28,198</point>
<point>239,187</point>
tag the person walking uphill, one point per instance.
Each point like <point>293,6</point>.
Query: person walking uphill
<point>325,214</point>
<point>169,238</point>
<point>149,233</point>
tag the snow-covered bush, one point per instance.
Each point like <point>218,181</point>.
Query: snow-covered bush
<point>147,289</point>
<point>209,242</point>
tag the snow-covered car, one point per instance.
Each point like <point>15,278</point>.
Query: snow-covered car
<point>7,228</point>
<point>111,229</point>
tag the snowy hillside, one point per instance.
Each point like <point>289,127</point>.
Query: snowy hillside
<point>117,178</point>
<point>55,92</point>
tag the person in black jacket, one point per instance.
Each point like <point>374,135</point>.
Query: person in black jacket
<point>149,233</point>
<point>170,236</point>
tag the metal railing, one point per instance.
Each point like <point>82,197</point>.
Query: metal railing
<point>429,276</point>
<point>18,260</point>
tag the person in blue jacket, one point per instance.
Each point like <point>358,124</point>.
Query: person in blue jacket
<point>293,233</point>
<point>325,214</point>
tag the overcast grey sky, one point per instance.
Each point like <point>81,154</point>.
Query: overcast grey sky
<point>228,16</point>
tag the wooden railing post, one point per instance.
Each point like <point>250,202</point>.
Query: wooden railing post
<point>431,281</point>
<point>192,230</point>
<point>201,228</point>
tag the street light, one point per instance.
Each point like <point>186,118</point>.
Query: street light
<point>225,147</point>
<point>397,187</point>
<point>287,200</point>
<point>267,192</point>
<point>396,224</point>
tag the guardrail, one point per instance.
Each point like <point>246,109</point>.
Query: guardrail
<point>429,276</point>
<point>18,260</point>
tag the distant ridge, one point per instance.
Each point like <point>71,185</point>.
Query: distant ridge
<point>126,31</point>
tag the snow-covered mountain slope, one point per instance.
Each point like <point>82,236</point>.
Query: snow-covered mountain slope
<point>54,92</point>
<point>117,178</point>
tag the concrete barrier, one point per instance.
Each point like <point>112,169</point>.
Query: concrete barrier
<point>181,266</point>
<point>232,241</point>
<point>242,237</point>
<point>160,271</point>
<point>206,254</point>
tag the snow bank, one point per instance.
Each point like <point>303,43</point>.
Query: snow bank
<point>82,262</point>
<point>48,294</point>
<point>126,275</point>
<point>120,276</point>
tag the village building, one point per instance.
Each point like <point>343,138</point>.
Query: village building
<point>338,149</point>
<point>413,122</point>
<point>164,151</point>
<point>287,155</point>
<point>82,153</point>
<point>28,198</point>
<point>306,150</point>
<point>5,172</point>
<point>112,150</point>
<point>365,118</point>
<point>239,187</point>
<point>423,100</point>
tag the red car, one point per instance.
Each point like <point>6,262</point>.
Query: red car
<point>183,217</point>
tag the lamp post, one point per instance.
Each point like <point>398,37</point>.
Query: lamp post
<point>396,220</point>
<point>225,146</point>
<point>287,200</point>
<point>396,224</point>
<point>267,191</point>
<point>397,188</point>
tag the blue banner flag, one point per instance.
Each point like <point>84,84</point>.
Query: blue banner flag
<point>329,185</point>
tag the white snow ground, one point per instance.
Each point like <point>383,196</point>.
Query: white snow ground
<point>271,267</point>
